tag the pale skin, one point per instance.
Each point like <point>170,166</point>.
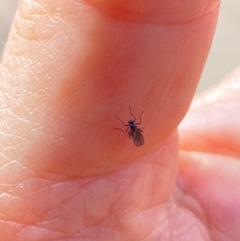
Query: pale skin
<point>68,69</point>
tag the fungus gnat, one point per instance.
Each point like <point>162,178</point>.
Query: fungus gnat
<point>134,131</point>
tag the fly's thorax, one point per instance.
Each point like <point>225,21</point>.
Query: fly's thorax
<point>132,125</point>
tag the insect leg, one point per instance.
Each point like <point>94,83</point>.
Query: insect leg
<point>121,121</point>
<point>129,135</point>
<point>121,129</point>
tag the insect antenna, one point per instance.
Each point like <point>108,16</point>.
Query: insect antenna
<point>132,113</point>
<point>140,119</point>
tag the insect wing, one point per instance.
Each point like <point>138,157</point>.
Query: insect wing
<point>137,137</point>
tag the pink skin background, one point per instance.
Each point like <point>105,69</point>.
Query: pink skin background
<point>68,69</point>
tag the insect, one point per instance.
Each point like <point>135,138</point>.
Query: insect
<point>133,130</point>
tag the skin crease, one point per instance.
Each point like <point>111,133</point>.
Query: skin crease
<point>68,69</point>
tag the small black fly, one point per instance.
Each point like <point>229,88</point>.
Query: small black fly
<point>133,130</point>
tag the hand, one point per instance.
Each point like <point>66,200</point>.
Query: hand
<point>69,68</point>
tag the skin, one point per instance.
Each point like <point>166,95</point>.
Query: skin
<point>68,69</point>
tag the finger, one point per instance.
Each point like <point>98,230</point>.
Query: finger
<point>212,124</point>
<point>73,68</point>
<point>208,186</point>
